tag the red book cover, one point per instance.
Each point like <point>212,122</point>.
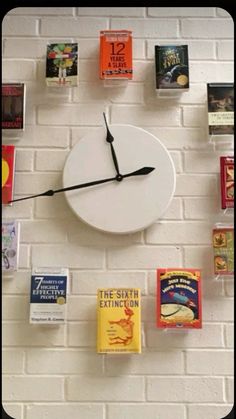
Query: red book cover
<point>179,303</point>
<point>13,106</point>
<point>223,248</point>
<point>227,181</point>
<point>8,169</point>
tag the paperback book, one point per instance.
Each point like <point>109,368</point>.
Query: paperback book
<point>48,295</point>
<point>227,181</point>
<point>118,320</point>
<point>13,106</point>
<point>179,300</point>
<point>220,100</point>
<point>10,245</point>
<point>172,66</point>
<point>223,249</point>
<point>8,172</point>
<point>116,54</point>
<point>62,64</point>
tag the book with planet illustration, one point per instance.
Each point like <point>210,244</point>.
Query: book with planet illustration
<point>223,248</point>
<point>8,172</point>
<point>179,301</point>
<point>48,295</point>
<point>118,320</point>
<point>62,64</point>
<point>172,67</point>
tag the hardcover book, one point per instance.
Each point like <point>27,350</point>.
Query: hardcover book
<point>220,100</point>
<point>62,64</point>
<point>13,106</point>
<point>172,66</point>
<point>227,181</point>
<point>179,301</point>
<point>48,295</point>
<point>116,54</point>
<point>118,320</point>
<point>223,249</point>
<point>8,171</point>
<point>10,245</point>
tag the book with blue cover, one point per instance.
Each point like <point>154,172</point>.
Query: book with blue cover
<point>48,295</point>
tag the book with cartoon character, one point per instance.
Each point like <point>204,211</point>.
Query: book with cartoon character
<point>118,320</point>
<point>62,64</point>
<point>172,67</point>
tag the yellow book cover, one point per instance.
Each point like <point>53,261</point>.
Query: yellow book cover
<point>119,320</point>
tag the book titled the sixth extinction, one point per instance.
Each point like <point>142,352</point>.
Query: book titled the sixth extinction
<point>118,320</point>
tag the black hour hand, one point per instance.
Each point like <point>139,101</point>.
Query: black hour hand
<point>110,139</point>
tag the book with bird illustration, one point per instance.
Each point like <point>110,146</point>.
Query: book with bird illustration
<point>227,181</point>
<point>223,249</point>
<point>8,172</point>
<point>172,67</point>
<point>62,64</point>
<point>118,320</point>
<point>179,301</point>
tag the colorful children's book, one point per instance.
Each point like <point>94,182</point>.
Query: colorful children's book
<point>10,245</point>
<point>119,320</point>
<point>179,301</point>
<point>62,64</point>
<point>116,54</point>
<point>220,99</point>
<point>172,66</point>
<point>223,248</point>
<point>8,171</point>
<point>13,106</point>
<point>227,181</point>
<point>48,295</point>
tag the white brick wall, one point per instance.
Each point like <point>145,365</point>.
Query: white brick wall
<point>54,372</point>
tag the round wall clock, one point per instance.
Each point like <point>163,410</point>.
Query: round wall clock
<point>135,179</point>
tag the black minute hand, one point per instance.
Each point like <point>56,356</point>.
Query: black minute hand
<point>110,140</point>
<point>50,192</point>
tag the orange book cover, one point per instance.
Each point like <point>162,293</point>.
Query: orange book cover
<point>8,169</point>
<point>116,54</point>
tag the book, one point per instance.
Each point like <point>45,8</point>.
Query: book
<point>118,320</point>
<point>116,54</point>
<point>227,181</point>
<point>223,250</point>
<point>220,102</point>
<point>10,245</point>
<point>13,106</point>
<point>8,172</point>
<point>172,66</point>
<point>179,300</point>
<point>48,295</point>
<point>62,64</point>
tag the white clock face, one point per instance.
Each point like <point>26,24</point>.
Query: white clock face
<point>119,207</point>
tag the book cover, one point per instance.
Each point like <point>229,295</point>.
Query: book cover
<point>223,249</point>
<point>118,320</point>
<point>62,64</point>
<point>8,172</point>
<point>10,245</point>
<point>48,295</point>
<point>227,181</point>
<point>172,66</point>
<point>116,54</point>
<point>220,101</point>
<point>13,106</point>
<point>179,300</point>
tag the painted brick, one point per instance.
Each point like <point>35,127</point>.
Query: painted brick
<point>79,27</point>
<point>230,390</point>
<point>23,71</point>
<point>150,411</point>
<point>19,26</point>
<point>62,411</point>
<point>200,208</point>
<point>148,28</point>
<point>210,411</point>
<point>88,92</point>
<point>181,11</point>
<point>21,334</point>
<point>208,71</point>
<point>204,389</point>
<point>194,116</point>
<point>221,309</point>
<point>50,160</point>
<point>210,28</point>
<point>14,410</point>
<point>59,11</point>
<point>33,183</point>
<point>19,210</point>
<point>229,287</point>
<point>15,308</point>
<point>178,232</point>
<point>24,48</point>
<point>111,11</point>
<point>197,50</point>
<point>70,114</point>
<point>209,362</point>
<point>196,185</point>
<point>222,12</point>
<point>99,388</point>
<point>136,115</point>
<point>82,334</point>
<point>229,335</point>
<point>82,308</point>
<point>174,211</point>
<point>48,209</point>
<point>26,388</point>
<point>40,136</point>
<point>24,256</point>
<point>43,231</point>
<point>202,162</point>
<point>18,285</point>
<point>180,138</point>
<point>225,50</point>
<point>12,361</point>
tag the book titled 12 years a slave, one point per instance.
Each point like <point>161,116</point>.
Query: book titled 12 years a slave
<point>118,320</point>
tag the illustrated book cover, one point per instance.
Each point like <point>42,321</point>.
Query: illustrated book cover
<point>48,295</point>
<point>220,101</point>
<point>118,320</point>
<point>62,65</point>
<point>227,181</point>
<point>116,54</point>
<point>10,245</point>
<point>179,300</point>
<point>13,106</point>
<point>223,249</point>
<point>172,66</point>
<point>8,172</point>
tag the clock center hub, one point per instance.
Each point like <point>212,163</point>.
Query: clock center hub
<point>119,178</point>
